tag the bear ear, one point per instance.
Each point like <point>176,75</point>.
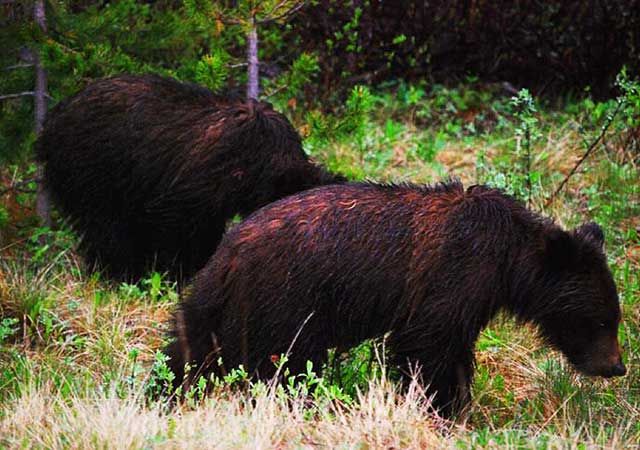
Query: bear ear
<point>560,249</point>
<point>591,232</point>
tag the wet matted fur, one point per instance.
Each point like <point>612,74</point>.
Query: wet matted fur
<point>148,170</point>
<point>429,264</point>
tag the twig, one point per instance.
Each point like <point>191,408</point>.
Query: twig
<point>22,94</point>
<point>276,8</point>
<point>593,145</point>
<point>285,15</point>
<point>274,380</point>
<point>18,66</point>
<point>275,91</point>
<point>19,94</point>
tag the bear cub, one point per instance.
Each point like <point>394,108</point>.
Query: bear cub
<point>430,264</point>
<point>149,170</point>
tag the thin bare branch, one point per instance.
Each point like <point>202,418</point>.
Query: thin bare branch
<point>228,21</point>
<point>276,7</point>
<point>593,145</point>
<point>19,94</point>
<point>285,15</point>
<point>232,22</point>
<point>22,94</point>
<point>274,380</point>
<point>18,66</point>
<point>275,91</point>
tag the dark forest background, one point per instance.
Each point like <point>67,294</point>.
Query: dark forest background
<point>318,51</point>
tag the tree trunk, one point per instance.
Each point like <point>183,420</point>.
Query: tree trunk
<point>43,204</point>
<point>253,81</point>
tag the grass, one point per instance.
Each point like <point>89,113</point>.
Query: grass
<point>78,354</point>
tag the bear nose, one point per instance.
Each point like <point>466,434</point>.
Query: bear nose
<point>619,369</point>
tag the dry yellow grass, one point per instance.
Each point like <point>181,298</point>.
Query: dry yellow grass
<point>379,419</point>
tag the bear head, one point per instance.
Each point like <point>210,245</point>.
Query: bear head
<point>576,303</point>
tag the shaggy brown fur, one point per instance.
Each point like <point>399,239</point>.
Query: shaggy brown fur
<point>148,170</point>
<point>431,265</point>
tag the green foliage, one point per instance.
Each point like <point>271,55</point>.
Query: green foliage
<point>291,83</point>
<point>16,124</point>
<point>160,379</point>
<point>160,290</point>
<point>325,128</point>
<point>212,70</point>
<point>615,196</point>
<point>352,371</point>
<point>350,31</point>
<point>630,90</point>
<point>4,216</point>
<point>7,328</point>
<point>527,132</point>
<point>515,174</point>
<point>153,288</point>
<point>310,384</point>
<point>358,106</point>
<point>48,245</point>
<point>194,40</point>
<point>236,376</point>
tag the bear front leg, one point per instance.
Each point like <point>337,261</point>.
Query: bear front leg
<point>194,350</point>
<point>450,389</point>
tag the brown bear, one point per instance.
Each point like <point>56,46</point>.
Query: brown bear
<point>429,264</point>
<point>149,170</point>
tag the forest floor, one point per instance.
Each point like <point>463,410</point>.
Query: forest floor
<point>78,353</point>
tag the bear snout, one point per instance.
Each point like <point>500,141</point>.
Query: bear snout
<point>603,360</point>
<point>616,370</point>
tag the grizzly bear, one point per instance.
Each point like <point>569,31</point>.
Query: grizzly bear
<point>430,265</point>
<point>149,170</point>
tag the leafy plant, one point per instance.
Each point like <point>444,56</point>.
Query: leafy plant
<point>527,132</point>
<point>160,379</point>
<point>8,328</point>
<point>154,287</point>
